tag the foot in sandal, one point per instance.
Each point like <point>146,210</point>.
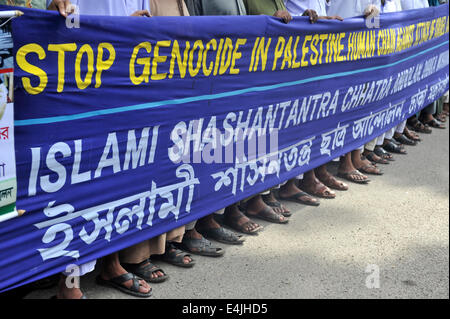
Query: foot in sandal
<point>329,180</point>
<point>313,186</point>
<point>411,135</point>
<point>363,165</point>
<point>235,219</point>
<point>277,206</point>
<point>210,229</point>
<point>374,158</point>
<point>381,152</point>
<point>256,208</point>
<point>147,271</point>
<point>115,276</point>
<point>194,243</point>
<point>175,256</point>
<point>291,192</point>
<point>348,171</point>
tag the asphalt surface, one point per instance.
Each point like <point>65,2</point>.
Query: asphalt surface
<point>399,223</point>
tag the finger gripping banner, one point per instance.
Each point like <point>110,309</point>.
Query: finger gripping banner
<point>128,127</point>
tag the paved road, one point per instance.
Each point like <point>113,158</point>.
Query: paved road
<point>399,223</point>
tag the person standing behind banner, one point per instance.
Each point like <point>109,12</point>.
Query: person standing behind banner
<point>423,120</point>
<point>353,163</point>
<point>399,135</point>
<point>233,216</point>
<point>274,8</point>
<point>414,4</point>
<point>289,190</point>
<point>216,7</point>
<point>319,181</point>
<point>263,206</point>
<point>379,150</point>
<point>444,111</point>
<point>112,273</point>
<point>137,259</point>
<point>207,226</point>
<point>441,114</point>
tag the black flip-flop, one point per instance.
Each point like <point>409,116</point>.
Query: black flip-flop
<point>118,281</point>
<point>222,235</point>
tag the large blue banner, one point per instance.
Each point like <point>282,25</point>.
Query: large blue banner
<point>129,127</point>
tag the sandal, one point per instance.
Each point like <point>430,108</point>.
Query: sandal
<point>441,117</point>
<point>118,281</point>
<point>297,198</point>
<point>287,213</point>
<point>242,228</point>
<point>222,235</point>
<point>145,270</point>
<point>435,124</point>
<point>402,139</point>
<point>419,127</point>
<point>383,154</point>
<point>266,214</point>
<point>393,148</point>
<point>333,183</point>
<point>202,247</point>
<point>350,177</point>
<point>370,169</point>
<point>175,257</point>
<point>318,189</point>
<point>412,136</point>
<point>374,158</point>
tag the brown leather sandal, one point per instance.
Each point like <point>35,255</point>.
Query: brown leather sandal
<point>317,189</point>
<point>333,183</point>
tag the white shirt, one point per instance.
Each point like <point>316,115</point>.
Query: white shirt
<point>414,4</point>
<point>298,7</point>
<point>350,8</point>
<point>391,6</point>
